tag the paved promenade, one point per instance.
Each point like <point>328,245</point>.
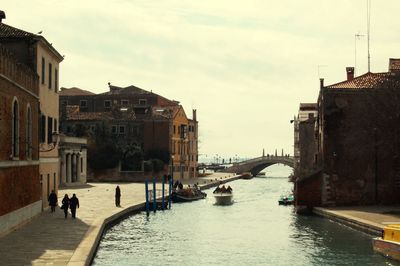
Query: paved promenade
<point>50,239</point>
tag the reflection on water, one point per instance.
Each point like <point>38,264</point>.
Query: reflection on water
<point>255,230</point>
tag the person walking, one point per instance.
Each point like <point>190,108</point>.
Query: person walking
<point>73,204</point>
<point>117,196</point>
<point>52,201</point>
<point>65,205</point>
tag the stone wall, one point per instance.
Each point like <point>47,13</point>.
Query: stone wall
<point>307,191</point>
<point>362,145</point>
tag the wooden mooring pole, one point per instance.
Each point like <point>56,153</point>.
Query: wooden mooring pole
<point>154,195</point>
<point>146,185</point>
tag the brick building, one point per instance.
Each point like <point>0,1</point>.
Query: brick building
<point>135,119</point>
<point>20,191</point>
<point>38,54</point>
<point>358,141</point>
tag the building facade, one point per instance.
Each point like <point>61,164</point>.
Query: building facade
<point>137,120</point>
<point>357,141</point>
<point>37,53</point>
<point>73,160</point>
<point>20,191</point>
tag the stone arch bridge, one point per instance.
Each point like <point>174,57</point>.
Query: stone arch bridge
<point>254,166</point>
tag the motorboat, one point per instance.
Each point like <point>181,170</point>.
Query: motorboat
<point>286,200</point>
<point>389,243</point>
<point>187,195</point>
<point>223,198</point>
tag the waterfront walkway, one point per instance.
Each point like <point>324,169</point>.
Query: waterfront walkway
<point>371,219</point>
<point>49,239</point>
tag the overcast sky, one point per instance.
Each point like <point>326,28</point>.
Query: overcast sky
<point>244,65</point>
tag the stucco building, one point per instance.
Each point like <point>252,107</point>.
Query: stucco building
<point>37,53</point>
<point>20,191</point>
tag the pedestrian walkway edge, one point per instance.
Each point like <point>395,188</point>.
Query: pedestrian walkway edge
<point>84,254</point>
<point>353,222</point>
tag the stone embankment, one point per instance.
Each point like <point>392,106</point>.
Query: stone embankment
<point>370,219</point>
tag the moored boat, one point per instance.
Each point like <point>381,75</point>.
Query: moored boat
<point>180,197</point>
<point>247,175</point>
<point>181,194</point>
<point>389,244</point>
<point>286,200</point>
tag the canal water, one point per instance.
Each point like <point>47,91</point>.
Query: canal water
<point>255,230</point>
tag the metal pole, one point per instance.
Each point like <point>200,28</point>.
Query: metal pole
<point>146,185</point>
<point>154,195</point>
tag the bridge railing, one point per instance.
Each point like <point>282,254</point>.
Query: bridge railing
<point>289,159</point>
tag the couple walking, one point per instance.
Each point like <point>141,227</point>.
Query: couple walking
<point>72,203</point>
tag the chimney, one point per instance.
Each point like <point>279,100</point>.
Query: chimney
<point>2,16</point>
<point>194,116</point>
<point>321,83</point>
<point>350,73</point>
<point>394,65</point>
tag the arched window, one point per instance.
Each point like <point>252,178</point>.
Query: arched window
<point>29,132</point>
<point>15,128</point>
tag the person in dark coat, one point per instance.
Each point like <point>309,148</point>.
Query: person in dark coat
<point>65,205</point>
<point>73,204</point>
<point>117,197</point>
<point>52,201</point>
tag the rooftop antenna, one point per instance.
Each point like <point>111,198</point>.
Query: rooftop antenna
<point>368,31</point>
<point>357,36</point>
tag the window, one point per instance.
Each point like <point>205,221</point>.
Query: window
<point>81,165</point>
<point>107,103</point>
<point>43,129</point>
<point>124,102</point>
<point>43,70</point>
<point>56,79</point>
<point>114,129</point>
<point>174,129</point>
<point>142,101</point>
<point>83,103</point>
<point>50,76</point>
<point>15,129</point>
<point>28,145</point>
<point>121,129</point>
<point>49,130</point>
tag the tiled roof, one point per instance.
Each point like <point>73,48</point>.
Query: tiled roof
<point>7,31</point>
<point>370,81</point>
<point>115,90</point>
<point>308,106</point>
<point>74,92</point>
<point>73,113</point>
<point>394,64</point>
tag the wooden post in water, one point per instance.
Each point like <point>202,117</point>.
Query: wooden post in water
<point>146,185</point>
<point>154,195</point>
<point>163,187</point>
<point>169,193</point>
